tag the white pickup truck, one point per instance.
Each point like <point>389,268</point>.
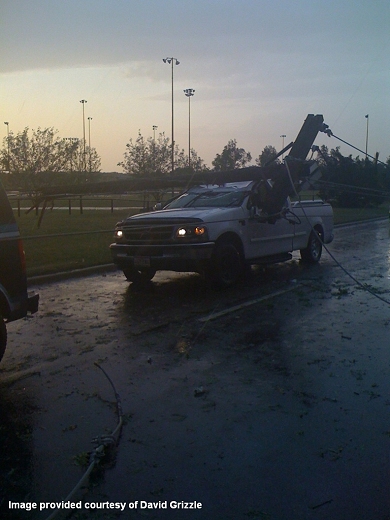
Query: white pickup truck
<point>217,230</point>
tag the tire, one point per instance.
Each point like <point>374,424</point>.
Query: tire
<point>312,253</point>
<point>225,267</point>
<point>139,276</point>
<point>3,337</point>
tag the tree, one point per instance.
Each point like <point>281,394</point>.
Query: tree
<point>137,159</point>
<point>197,164</point>
<point>231,158</point>
<point>150,157</point>
<point>42,158</point>
<point>77,161</point>
<point>267,155</point>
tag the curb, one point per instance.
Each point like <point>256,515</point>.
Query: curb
<point>359,222</point>
<point>75,273</point>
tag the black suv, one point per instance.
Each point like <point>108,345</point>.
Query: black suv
<point>15,302</point>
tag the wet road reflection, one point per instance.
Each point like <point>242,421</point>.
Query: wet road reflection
<point>275,408</point>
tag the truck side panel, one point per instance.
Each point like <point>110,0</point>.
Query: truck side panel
<point>312,214</point>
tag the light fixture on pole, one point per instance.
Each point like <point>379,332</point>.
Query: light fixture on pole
<point>172,62</point>
<point>283,136</point>
<point>83,101</point>
<point>189,92</point>
<point>366,116</point>
<point>7,123</point>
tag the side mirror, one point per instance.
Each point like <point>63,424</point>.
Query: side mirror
<point>158,206</point>
<point>252,212</point>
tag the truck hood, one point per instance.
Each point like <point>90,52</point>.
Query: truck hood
<point>188,214</point>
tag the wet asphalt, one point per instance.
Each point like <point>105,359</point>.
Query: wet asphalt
<point>267,401</point>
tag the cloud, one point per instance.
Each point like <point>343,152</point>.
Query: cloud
<point>258,66</point>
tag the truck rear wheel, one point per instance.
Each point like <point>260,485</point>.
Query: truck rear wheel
<point>312,253</point>
<point>3,337</point>
<point>139,276</point>
<point>225,266</point>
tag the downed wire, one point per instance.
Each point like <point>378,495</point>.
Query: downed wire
<point>358,190</point>
<point>362,285</point>
<point>102,442</point>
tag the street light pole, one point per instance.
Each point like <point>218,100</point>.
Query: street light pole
<point>283,136</point>
<point>189,92</point>
<point>172,61</point>
<point>89,143</point>
<point>83,101</point>
<point>154,147</point>
<point>366,116</point>
<point>7,123</point>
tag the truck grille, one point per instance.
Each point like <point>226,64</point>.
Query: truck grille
<point>148,234</point>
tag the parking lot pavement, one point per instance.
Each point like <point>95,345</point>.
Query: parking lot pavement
<point>267,401</point>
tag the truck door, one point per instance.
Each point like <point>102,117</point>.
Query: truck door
<point>267,236</point>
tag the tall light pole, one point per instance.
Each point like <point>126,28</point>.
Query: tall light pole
<point>89,143</point>
<point>283,136</point>
<point>172,62</point>
<point>7,123</point>
<point>154,147</point>
<point>366,116</point>
<point>83,101</point>
<point>189,92</point>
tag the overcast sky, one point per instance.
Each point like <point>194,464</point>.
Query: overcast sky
<point>258,68</point>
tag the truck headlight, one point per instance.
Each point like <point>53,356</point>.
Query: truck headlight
<point>118,233</point>
<point>191,232</point>
<point>182,232</point>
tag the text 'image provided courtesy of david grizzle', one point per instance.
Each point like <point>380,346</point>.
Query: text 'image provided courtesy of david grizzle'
<point>116,506</point>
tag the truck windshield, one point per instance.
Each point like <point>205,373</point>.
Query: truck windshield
<point>212,198</point>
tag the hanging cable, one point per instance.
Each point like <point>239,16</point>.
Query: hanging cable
<point>329,132</point>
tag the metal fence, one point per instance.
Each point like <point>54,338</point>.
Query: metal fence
<point>65,243</point>
<point>143,201</point>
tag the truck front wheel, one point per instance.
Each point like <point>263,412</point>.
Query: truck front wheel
<point>139,276</point>
<point>3,337</point>
<point>225,266</point>
<point>312,253</point>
